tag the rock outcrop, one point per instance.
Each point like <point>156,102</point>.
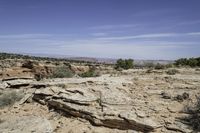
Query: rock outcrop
<point>101,106</point>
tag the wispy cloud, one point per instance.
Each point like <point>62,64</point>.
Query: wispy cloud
<point>136,49</point>
<point>147,36</point>
<point>114,47</point>
<point>109,27</point>
<point>194,33</point>
<point>24,36</point>
<point>190,22</point>
<point>159,35</point>
<point>99,34</point>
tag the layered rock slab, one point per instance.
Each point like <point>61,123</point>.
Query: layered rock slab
<point>102,106</point>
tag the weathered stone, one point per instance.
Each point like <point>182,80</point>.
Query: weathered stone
<point>140,114</point>
<point>19,83</point>
<point>98,107</point>
<point>17,78</point>
<point>3,85</point>
<point>175,108</point>
<point>166,95</point>
<point>178,127</point>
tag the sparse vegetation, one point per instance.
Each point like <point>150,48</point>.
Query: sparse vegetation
<point>62,72</point>
<point>172,71</point>
<point>192,62</point>
<point>193,119</point>
<point>159,66</point>
<point>91,73</point>
<point>28,64</point>
<point>124,64</point>
<point>10,97</point>
<point>4,56</point>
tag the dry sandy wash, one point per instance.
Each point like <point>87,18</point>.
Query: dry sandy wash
<point>129,101</point>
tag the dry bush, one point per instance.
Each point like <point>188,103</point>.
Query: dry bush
<point>91,73</point>
<point>193,119</point>
<point>172,71</point>
<point>29,64</point>
<point>62,72</point>
<point>10,97</point>
<point>159,66</point>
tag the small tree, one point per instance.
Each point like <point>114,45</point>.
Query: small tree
<point>192,62</point>
<point>125,64</point>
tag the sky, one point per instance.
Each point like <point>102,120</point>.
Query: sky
<point>138,29</point>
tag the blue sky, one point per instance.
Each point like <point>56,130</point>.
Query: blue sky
<point>139,29</point>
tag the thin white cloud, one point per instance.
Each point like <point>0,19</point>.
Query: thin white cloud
<point>194,33</point>
<point>190,22</point>
<point>137,49</point>
<point>99,34</point>
<point>100,48</point>
<point>147,36</point>
<point>24,36</point>
<point>159,35</point>
<point>109,27</point>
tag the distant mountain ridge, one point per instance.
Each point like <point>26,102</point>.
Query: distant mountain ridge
<point>92,59</point>
<point>102,60</point>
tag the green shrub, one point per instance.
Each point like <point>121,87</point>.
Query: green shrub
<point>159,66</point>
<point>10,97</point>
<point>192,62</point>
<point>91,73</point>
<point>125,64</point>
<point>62,72</point>
<point>172,71</point>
